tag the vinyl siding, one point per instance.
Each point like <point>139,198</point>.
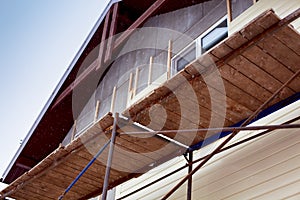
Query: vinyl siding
<point>281,8</point>
<point>265,168</point>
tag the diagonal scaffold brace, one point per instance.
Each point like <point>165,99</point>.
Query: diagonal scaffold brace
<point>111,141</point>
<point>233,134</point>
<point>84,169</point>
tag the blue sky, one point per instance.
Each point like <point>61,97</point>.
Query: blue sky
<point>38,41</point>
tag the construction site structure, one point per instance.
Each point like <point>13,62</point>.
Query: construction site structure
<point>172,100</point>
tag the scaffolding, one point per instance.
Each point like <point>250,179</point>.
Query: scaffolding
<point>110,126</point>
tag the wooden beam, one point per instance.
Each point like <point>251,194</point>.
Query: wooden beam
<point>112,32</point>
<point>169,60</point>
<point>74,130</point>
<point>102,45</point>
<point>229,10</point>
<point>76,82</point>
<point>150,70</point>
<point>26,162</point>
<point>113,99</point>
<point>148,13</point>
<point>129,96</point>
<point>97,110</point>
<point>136,79</point>
<point>23,166</point>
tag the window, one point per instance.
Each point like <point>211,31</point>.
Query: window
<point>207,40</point>
<point>186,56</point>
<point>216,35</point>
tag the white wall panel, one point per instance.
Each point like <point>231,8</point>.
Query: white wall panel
<point>265,168</point>
<point>281,7</point>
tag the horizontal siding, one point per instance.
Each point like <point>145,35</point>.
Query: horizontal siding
<point>285,192</point>
<point>154,174</point>
<point>273,183</point>
<point>266,168</point>
<point>281,8</point>
<point>294,196</point>
<point>242,182</point>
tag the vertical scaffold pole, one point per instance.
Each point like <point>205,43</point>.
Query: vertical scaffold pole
<point>190,180</point>
<point>110,157</point>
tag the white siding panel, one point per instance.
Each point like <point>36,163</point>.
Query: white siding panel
<point>265,168</point>
<point>285,192</point>
<point>159,189</point>
<point>281,7</point>
<point>285,178</point>
<point>240,159</point>
<point>232,177</point>
<point>296,25</point>
<point>294,196</point>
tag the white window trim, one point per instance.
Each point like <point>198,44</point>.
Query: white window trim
<point>197,41</point>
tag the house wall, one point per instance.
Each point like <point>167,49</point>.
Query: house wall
<point>181,27</point>
<point>265,168</point>
<point>281,8</point>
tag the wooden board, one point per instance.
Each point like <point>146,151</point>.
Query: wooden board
<point>272,66</point>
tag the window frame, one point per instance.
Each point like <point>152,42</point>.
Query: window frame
<point>197,43</point>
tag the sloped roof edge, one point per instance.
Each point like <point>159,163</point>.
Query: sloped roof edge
<point>58,87</point>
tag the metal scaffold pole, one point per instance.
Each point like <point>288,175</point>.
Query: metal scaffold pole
<point>190,180</point>
<point>110,157</point>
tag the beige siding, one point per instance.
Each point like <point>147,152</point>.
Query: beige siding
<point>281,7</point>
<point>266,168</point>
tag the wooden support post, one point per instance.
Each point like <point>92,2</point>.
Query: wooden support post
<point>97,110</point>
<point>113,99</point>
<point>110,157</point>
<point>102,45</point>
<point>112,32</point>
<point>229,10</point>
<point>136,81</point>
<point>129,96</point>
<point>190,180</point>
<point>150,70</point>
<point>169,60</point>
<point>74,130</point>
